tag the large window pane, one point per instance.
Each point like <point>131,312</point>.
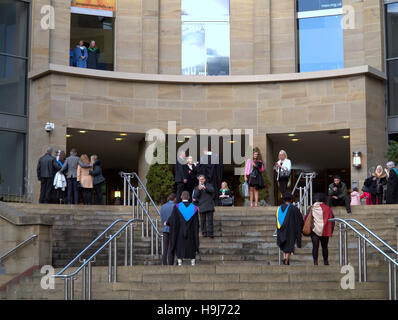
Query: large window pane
<point>392,69</point>
<point>311,5</point>
<point>193,49</point>
<point>321,43</point>
<point>205,10</point>
<point>12,149</point>
<point>392,30</point>
<point>217,48</point>
<point>13,27</point>
<point>12,85</point>
<point>101,30</point>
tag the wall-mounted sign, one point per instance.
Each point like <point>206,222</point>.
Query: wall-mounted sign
<point>109,5</point>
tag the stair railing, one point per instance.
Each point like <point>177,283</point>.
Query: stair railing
<point>149,227</point>
<point>86,264</point>
<point>305,193</point>
<point>20,245</point>
<point>363,240</point>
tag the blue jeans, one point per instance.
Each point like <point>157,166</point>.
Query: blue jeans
<point>72,185</point>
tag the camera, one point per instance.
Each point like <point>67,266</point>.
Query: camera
<point>49,126</point>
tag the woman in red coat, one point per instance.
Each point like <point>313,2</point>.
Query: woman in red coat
<point>322,228</point>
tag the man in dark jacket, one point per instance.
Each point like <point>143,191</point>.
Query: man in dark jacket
<point>203,196</point>
<point>98,178</point>
<point>392,183</point>
<point>46,169</point>
<point>337,194</point>
<point>70,167</point>
<point>180,176</point>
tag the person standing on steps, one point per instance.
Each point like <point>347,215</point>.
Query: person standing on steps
<point>46,169</point>
<point>98,178</point>
<point>392,183</point>
<point>253,176</point>
<point>283,169</point>
<point>338,194</point>
<point>181,175</point>
<point>191,173</point>
<point>203,196</point>
<point>85,179</point>
<point>375,184</point>
<point>289,227</point>
<point>322,228</point>
<point>184,230</point>
<point>165,213</point>
<point>70,169</point>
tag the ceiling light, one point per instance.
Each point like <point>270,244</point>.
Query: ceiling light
<point>295,140</point>
<point>118,139</point>
<point>187,137</point>
<point>82,131</point>
<point>68,135</point>
<point>291,135</point>
<point>232,141</point>
<point>345,137</point>
<point>123,134</point>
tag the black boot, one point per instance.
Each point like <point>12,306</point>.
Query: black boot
<point>315,262</point>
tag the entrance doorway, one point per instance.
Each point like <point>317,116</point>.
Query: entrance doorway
<point>325,152</point>
<point>117,151</point>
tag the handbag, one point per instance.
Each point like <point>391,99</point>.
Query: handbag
<point>284,173</point>
<point>245,190</point>
<point>225,202</point>
<point>307,228</point>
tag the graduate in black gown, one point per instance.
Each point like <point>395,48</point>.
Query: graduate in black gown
<point>289,227</point>
<point>184,230</point>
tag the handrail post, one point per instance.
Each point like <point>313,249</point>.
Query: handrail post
<point>133,204</point>
<point>395,280</point>
<point>66,288</point>
<point>89,278</point>
<point>126,236</point>
<point>131,244</point>
<point>157,239</point>
<point>124,190</point>
<point>71,287</point>
<point>147,224</point>
<point>84,281</point>
<point>151,240</point>
<point>365,262</point>
<point>128,191</point>
<point>345,246</point>
<point>114,259</point>
<point>340,245</point>
<point>359,258</point>
<point>143,220</point>
<point>110,261</point>
<point>389,281</point>
<point>279,256</point>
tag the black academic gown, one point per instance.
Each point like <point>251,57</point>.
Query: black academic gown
<point>184,235</point>
<point>392,188</point>
<point>290,231</point>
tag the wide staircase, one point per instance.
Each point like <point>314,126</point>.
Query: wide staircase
<point>241,262</point>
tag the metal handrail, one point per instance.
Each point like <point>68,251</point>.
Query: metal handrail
<point>89,246</point>
<point>297,182</point>
<point>87,262</point>
<point>125,174</point>
<point>145,209</point>
<point>392,263</point>
<point>10,252</point>
<point>374,235</point>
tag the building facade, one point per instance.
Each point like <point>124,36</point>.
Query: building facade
<point>316,78</point>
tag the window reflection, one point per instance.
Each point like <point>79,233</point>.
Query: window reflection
<point>205,37</point>
<point>321,43</point>
<point>310,5</point>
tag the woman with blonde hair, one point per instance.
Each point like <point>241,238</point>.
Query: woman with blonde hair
<point>85,179</point>
<point>375,184</point>
<point>283,167</point>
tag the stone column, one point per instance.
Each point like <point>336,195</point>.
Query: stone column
<point>143,164</point>
<point>60,35</point>
<point>262,34</point>
<point>150,36</point>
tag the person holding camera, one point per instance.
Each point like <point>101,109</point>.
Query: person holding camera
<point>338,195</point>
<point>203,196</point>
<point>375,184</point>
<point>283,168</point>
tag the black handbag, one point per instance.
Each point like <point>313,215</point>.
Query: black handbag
<point>225,202</point>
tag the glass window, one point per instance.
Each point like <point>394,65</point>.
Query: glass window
<point>392,70</point>
<point>101,30</point>
<point>310,5</point>
<point>392,30</point>
<point>12,170</point>
<point>12,85</point>
<point>13,27</point>
<point>205,37</point>
<point>320,43</point>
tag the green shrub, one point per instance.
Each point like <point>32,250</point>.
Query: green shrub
<point>392,152</point>
<point>160,178</point>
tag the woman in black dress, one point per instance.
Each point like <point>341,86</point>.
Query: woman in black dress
<point>253,176</point>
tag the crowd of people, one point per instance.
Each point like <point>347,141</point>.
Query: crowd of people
<point>63,177</point>
<point>83,56</point>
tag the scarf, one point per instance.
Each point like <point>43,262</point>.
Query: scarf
<point>281,215</point>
